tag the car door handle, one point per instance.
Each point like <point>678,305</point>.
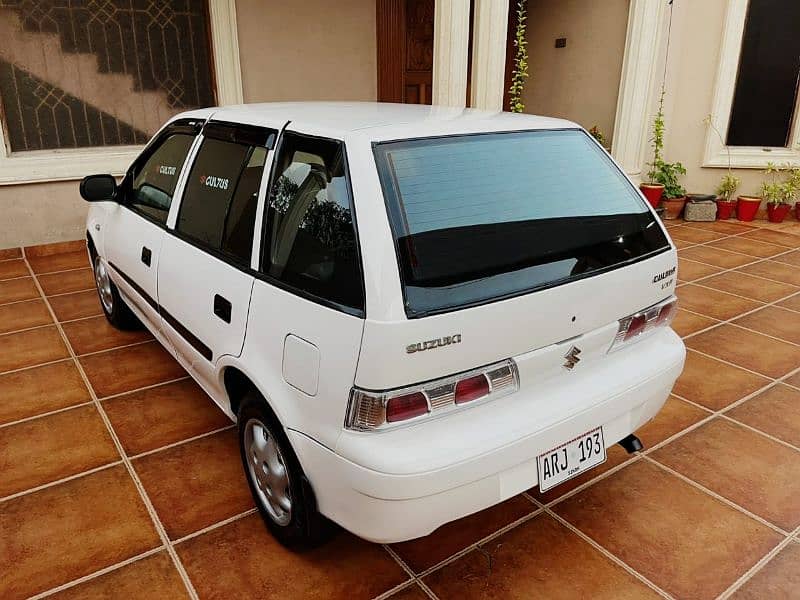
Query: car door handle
<point>222,308</point>
<point>147,256</point>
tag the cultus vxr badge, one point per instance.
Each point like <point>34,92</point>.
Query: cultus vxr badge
<point>572,357</point>
<point>431,344</point>
<point>664,275</point>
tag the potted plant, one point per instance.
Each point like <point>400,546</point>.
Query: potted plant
<point>674,198</point>
<point>779,194</point>
<point>725,194</point>
<point>598,134</point>
<point>654,189</point>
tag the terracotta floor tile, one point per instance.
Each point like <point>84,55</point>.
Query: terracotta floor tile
<point>68,281</point>
<point>748,246</point>
<point>775,411</point>
<point>683,540</point>
<point>40,250</point>
<point>72,529</point>
<point>7,253</point>
<point>154,577</point>
<point>792,303</point>
<point>13,268</point>
<point>775,271</point>
<point>779,578</point>
<point>23,315</point>
<point>713,303</point>
<point>423,553</point>
<point>412,592</point>
<point>792,258</point>
<point>774,237</point>
<point>14,290</point>
<point>717,257</point>
<point>96,334</point>
<point>754,351</point>
<point>539,559</point>
<point>242,559</point>
<point>681,244</point>
<point>39,390</point>
<point>76,306</point>
<point>675,416</point>
<point>196,484</point>
<point>687,322</point>
<point>774,321</point>
<point>131,368</point>
<point>715,384</point>
<point>794,380</point>
<point>720,226</point>
<point>33,347</point>
<point>53,447</point>
<point>741,465</point>
<point>163,415</point>
<point>689,270</point>
<point>695,235</point>
<point>59,262</point>
<point>755,288</point>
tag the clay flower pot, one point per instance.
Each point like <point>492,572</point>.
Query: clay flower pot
<point>653,193</point>
<point>747,207</point>
<point>776,213</point>
<point>797,210</point>
<point>674,207</point>
<point>725,209</point>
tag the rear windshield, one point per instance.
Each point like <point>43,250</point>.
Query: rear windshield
<point>481,217</point>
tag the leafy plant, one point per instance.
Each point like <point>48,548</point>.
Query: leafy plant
<point>780,191</point>
<point>520,72</point>
<point>667,174</point>
<point>728,186</point>
<point>598,135</point>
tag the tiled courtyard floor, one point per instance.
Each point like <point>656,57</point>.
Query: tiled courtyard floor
<point>119,478</point>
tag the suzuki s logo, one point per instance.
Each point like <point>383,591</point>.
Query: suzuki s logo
<point>431,344</point>
<point>573,358</point>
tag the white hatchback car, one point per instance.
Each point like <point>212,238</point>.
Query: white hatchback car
<point>414,313</point>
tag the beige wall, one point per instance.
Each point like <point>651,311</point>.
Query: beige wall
<point>581,81</point>
<point>311,50</point>
<point>697,37</point>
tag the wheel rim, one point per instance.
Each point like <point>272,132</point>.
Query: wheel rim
<point>267,471</point>
<point>103,282</point>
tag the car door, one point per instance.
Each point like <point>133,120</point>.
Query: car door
<point>134,232</point>
<point>204,275</point>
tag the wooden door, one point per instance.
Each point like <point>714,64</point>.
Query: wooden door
<point>405,50</point>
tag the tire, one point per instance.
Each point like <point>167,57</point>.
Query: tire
<point>114,308</point>
<point>286,504</point>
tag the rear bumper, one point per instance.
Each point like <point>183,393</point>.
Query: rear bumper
<point>391,507</point>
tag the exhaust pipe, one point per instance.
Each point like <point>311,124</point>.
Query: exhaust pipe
<point>631,444</point>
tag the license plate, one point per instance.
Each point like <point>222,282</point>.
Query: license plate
<point>571,459</point>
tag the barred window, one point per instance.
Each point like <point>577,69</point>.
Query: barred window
<point>90,73</point>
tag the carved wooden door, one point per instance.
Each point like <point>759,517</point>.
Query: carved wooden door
<point>405,50</point>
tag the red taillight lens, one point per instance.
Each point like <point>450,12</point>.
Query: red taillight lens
<point>405,407</point>
<point>667,313</point>
<point>636,327</point>
<point>472,389</point>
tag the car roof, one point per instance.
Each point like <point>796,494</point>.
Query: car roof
<point>378,120</point>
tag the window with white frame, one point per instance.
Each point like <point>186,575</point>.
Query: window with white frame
<point>756,99</point>
<point>84,84</point>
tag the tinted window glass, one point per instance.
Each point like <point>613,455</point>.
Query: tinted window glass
<point>154,180</point>
<point>481,217</point>
<point>311,243</point>
<point>219,204</point>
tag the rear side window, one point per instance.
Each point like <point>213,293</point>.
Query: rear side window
<point>310,243</point>
<point>155,179</point>
<point>487,216</point>
<point>218,209</point>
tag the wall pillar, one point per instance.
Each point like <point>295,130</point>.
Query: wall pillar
<point>640,73</point>
<point>450,49</point>
<point>489,40</point>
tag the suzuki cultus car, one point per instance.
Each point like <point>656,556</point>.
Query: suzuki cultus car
<point>413,313</point>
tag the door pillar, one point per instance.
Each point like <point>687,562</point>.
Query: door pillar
<point>489,39</point>
<point>450,51</point>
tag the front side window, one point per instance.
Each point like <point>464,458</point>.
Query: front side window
<point>311,243</point>
<point>218,209</point>
<point>481,217</point>
<point>154,180</point>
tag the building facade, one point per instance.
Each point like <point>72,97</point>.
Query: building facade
<point>84,84</point>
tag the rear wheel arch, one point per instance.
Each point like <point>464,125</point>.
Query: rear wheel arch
<point>91,246</point>
<point>237,385</point>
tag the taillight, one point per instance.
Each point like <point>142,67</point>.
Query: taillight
<point>370,411</point>
<point>633,327</point>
